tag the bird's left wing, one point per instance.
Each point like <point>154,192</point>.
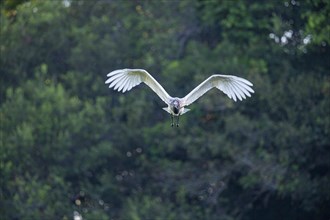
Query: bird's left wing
<point>234,87</point>
<point>125,79</point>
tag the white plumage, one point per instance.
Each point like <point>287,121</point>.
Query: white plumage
<point>234,87</point>
<point>125,79</point>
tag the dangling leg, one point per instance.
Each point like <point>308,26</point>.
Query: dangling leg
<point>172,120</point>
<point>177,121</point>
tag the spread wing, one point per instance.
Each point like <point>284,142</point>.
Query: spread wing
<point>234,87</point>
<point>125,79</point>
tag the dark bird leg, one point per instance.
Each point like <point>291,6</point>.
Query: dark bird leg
<point>177,121</point>
<point>172,120</point>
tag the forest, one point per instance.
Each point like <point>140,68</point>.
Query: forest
<point>71,148</point>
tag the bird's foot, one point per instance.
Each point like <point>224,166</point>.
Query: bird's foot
<point>172,125</point>
<point>177,125</point>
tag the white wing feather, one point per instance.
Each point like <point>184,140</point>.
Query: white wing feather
<point>234,87</point>
<point>125,79</point>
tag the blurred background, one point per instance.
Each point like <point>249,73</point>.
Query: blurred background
<point>71,148</point>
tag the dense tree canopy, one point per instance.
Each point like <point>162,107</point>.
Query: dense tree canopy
<point>71,146</point>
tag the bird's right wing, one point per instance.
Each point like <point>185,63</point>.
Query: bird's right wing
<point>234,87</point>
<point>125,79</point>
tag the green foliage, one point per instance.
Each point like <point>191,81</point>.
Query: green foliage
<point>318,22</point>
<point>148,208</point>
<point>71,146</point>
<point>41,141</point>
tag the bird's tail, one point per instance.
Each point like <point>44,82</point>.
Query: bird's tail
<point>184,110</point>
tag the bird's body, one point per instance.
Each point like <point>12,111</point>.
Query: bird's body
<point>176,107</point>
<point>125,79</point>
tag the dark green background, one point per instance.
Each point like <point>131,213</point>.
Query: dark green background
<point>68,143</point>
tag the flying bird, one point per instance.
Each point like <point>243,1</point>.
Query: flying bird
<point>234,87</point>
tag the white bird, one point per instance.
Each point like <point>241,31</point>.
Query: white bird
<point>234,87</point>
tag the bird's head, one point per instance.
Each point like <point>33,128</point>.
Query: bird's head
<point>176,104</point>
